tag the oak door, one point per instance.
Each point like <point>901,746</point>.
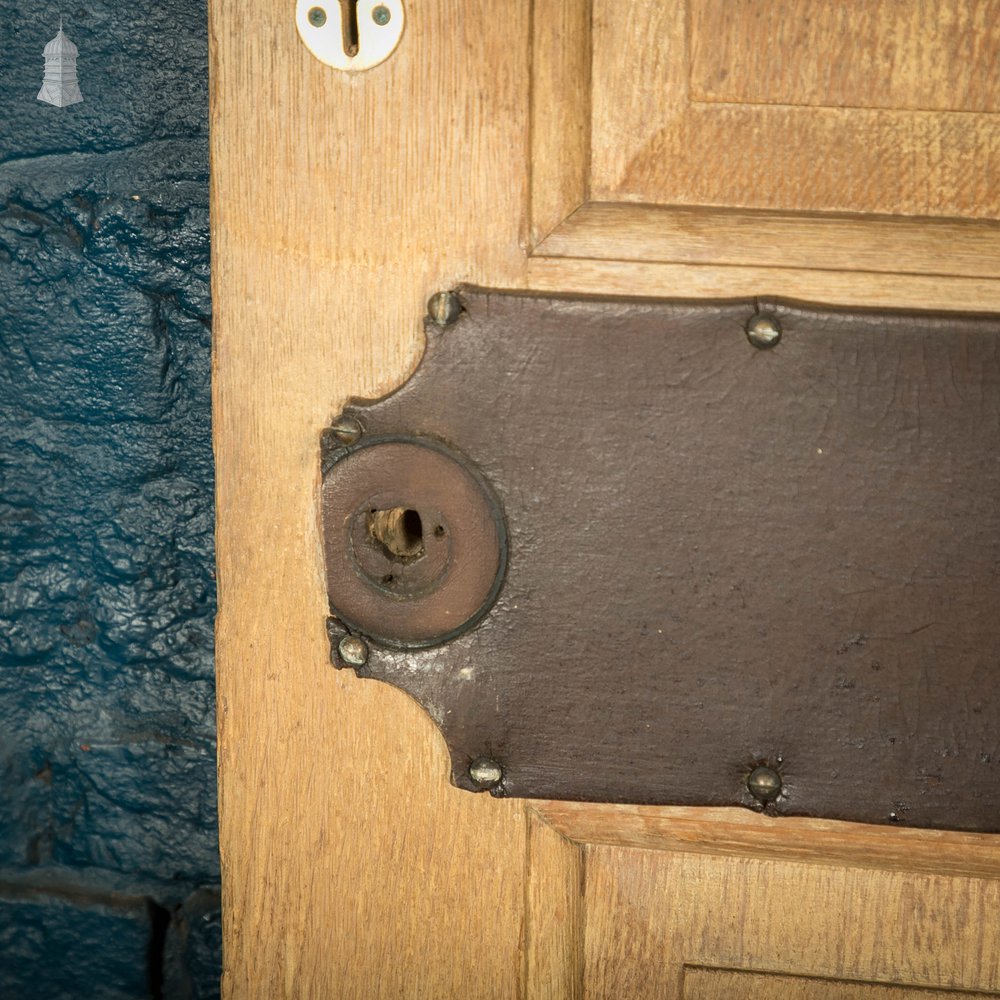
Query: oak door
<point>838,152</point>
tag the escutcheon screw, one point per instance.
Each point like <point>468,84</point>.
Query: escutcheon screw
<point>381,15</point>
<point>317,17</point>
<point>444,308</point>
<point>346,430</point>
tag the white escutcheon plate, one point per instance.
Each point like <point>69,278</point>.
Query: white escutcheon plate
<point>324,27</point>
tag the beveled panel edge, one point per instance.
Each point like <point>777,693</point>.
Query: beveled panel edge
<point>563,222</point>
<point>736,832</point>
<point>554,904</point>
<point>643,279</point>
<point>624,231</point>
<point>560,87</point>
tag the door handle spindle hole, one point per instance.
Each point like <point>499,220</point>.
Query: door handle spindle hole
<point>400,531</point>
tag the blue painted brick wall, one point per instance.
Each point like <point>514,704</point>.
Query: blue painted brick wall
<point>108,845</point>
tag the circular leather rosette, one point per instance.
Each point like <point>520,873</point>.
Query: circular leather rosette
<point>415,542</point>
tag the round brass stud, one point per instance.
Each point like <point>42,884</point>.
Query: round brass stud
<point>763,331</point>
<point>764,783</point>
<point>485,773</point>
<point>353,650</point>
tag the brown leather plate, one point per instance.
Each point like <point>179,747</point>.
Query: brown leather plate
<point>717,556</point>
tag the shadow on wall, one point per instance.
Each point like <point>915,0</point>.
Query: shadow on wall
<point>109,864</point>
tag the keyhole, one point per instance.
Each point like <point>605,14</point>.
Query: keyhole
<point>400,531</point>
<point>349,26</point>
<point>349,35</point>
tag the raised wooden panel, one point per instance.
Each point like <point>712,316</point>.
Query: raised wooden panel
<point>816,160</point>
<point>648,176</point>
<point>712,904</point>
<point>650,914</point>
<point>639,84</point>
<point>926,145</point>
<point>921,55</point>
<point>725,984</point>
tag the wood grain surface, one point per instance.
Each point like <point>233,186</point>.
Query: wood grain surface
<point>554,914</point>
<point>741,833</point>
<point>723,984</point>
<point>560,113</point>
<point>649,915</point>
<point>583,275</point>
<point>923,55</point>
<point>351,867</point>
<point>882,245</point>
<point>635,98</point>
<point>925,145</point>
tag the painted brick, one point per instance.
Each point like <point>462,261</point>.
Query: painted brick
<point>107,591</point>
<point>64,950</point>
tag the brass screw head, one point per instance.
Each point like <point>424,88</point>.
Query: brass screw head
<point>444,308</point>
<point>763,331</point>
<point>485,773</point>
<point>346,430</point>
<point>317,17</point>
<point>764,783</point>
<point>353,650</point>
<point>381,15</point>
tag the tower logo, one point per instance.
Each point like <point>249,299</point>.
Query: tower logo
<point>59,86</point>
